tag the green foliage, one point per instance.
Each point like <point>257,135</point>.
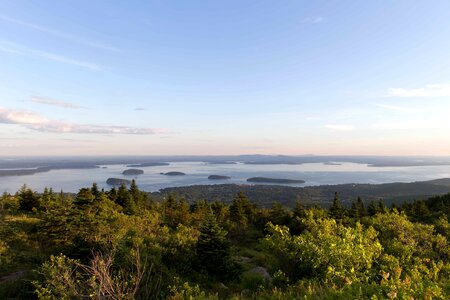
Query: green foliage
<point>119,245</point>
<point>186,291</point>
<point>8,203</point>
<point>241,211</point>
<point>213,251</point>
<point>253,282</point>
<point>180,251</point>
<point>60,279</point>
<point>3,251</point>
<point>357,211</point>
<point>326,250</point>
<point>336,210</point>
<point>65,278</point>
<point>28,200</point>
<point>407,240</point>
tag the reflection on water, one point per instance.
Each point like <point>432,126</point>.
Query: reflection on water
<point>198,172</point>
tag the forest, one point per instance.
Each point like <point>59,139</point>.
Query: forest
<point>124,244</point>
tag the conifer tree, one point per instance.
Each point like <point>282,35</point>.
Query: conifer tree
<point>336,210</point>
<point>358,210</point>
<point>372,209</point>
<point>213,250</point>
<point>27,199</point>
<point>241,211</point>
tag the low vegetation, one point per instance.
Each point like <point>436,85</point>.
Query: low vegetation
<point>122,244</point>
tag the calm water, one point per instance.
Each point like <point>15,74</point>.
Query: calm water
<point>198,172</point>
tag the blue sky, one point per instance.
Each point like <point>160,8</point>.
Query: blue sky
<point>224,77</point>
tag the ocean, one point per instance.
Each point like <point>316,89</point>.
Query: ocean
<point>71,180</point>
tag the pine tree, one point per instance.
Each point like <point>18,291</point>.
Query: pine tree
<point>241,211</point>
<point>358,210</point>
<point>299,210</point>
<point>336,210</point>
<point>381,206</point>
<point>138,196</point>
<point>27,199</point>
<point>84,197</point>
<point>213,250</point>
<point>94,190</point>
<point>372,209</point>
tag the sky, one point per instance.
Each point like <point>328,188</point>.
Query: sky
<point>224,77</point>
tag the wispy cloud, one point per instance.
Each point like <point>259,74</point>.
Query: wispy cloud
<point>404,109</point>
<point>59,34</point>
<point>410,125</point>
<point>14,48</point>
<point>52,102</point>
<point>9,50</point>
<point>37,122</point>
<point>140,109</point>
<point>340,127</point>
<point>313,20</point>
<point>429,90</point>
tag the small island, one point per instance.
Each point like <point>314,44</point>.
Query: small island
<point>218,177</point>
<point>133,172</point>
<point>274,180</point>
<point>148,164</point>
<point>174,173</point>
<point>117,181</point>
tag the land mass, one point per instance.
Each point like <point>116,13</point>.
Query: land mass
<point>174,173</point>
<point>322,195</point>
<point>40,169</point>
<point>133,172</point>
<point>274,180</point>
<point>218,177</point>
<point>117,181</point>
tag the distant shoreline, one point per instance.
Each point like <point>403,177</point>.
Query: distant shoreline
<point>73,162</point>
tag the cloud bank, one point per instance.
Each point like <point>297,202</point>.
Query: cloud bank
<point>37,122</point>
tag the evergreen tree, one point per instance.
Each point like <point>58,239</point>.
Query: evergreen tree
<point>213,250</point>
<point>372,209</point>
<point>84,197</point>
<point>336,210</point>
<point>138,196</point>
<point>358,210</point>
<point>123,196</point>
<point>27,199</point>
<point>420,210</point>
<point>221,211</point>
<point>381,206</point>
<point>112,195</point>
<point>299,210</point>
<point>241,211</point>
<point>279,215</point>
<point>94,190</point>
